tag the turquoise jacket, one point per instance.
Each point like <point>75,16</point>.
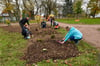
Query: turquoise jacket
<point>73,32</point>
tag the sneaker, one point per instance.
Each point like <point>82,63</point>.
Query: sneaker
<point>28,37</point>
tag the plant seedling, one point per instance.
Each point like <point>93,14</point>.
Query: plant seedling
<point>66,62</point>
<point>39,40</point>
<point>52,36</point>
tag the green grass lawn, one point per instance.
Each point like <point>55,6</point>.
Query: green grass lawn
<point>82,21</point>
<point>11,48</point>
<point>12,45</point>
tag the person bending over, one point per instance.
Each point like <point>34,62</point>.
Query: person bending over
<point>23,21</point>
<point>73,35</point>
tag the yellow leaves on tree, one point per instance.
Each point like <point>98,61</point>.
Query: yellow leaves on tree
<point>95,8</point>
<point>9,7</point>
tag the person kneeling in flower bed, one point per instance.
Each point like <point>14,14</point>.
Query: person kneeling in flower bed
<point>73,35</point>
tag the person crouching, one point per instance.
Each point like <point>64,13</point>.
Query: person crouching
<point>56,24</point>
<point>43,24</point>
<point>26,32</point>
<point>73,35</point>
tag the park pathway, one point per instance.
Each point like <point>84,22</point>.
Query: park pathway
<point>91,33</point>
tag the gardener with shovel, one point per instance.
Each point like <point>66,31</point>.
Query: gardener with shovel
<point>73,35</point>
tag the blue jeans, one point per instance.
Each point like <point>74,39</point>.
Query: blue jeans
<point>75,40</point>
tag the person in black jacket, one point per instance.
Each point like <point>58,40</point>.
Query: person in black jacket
<point>23,21</point>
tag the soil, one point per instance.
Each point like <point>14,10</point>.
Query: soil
<point>44,45</point>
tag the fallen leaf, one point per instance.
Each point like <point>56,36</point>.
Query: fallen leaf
<point>28,64</point>
<point>66,62</point>
<point>55,61</point>
<point>62,62</point>
<point>48,61</point>
<point>70,64</point>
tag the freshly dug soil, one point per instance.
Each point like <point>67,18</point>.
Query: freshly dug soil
<point>54,50</point>
<point>44,45</point>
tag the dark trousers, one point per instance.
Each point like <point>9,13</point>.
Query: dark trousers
<point>26,32</point>
<point>21,25</point>
<point>75,40</point>
<point>51,23</point>
<point>43,24</point>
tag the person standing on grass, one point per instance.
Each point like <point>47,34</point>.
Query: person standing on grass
<point>73,35</point>
<point>23,21</point>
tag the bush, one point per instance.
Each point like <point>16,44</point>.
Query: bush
<point>39,40</point>
<point>52,36</point>
<point>8,22</point>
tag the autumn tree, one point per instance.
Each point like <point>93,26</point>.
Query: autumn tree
<point>17,10</point>
<point>78,9</point>
<point>49,6</point>
<point>12,8</point>
<point>29,7</point>
<point>67,8</point>
<point>94,8</point>
<point>8,8</point>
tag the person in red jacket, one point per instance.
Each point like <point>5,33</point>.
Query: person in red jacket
<point>56,24</point>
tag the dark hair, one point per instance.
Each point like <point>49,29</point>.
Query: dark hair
<point>67,27</point>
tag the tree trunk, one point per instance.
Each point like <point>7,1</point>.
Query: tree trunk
<point>94,14</point>
<point>18,10</point>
